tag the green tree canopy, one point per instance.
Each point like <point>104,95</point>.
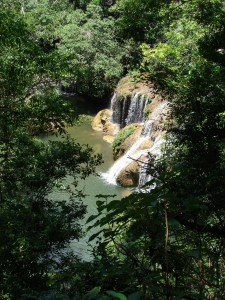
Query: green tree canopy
<point>169,242</point>
<point>36,227</point>
<point>86,39</point>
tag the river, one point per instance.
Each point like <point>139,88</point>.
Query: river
<point>93,185</point>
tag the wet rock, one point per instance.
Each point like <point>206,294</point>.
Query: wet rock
<point>102,122</point>
<point>127,86</point>
<point>101,119</point>
<point>128,142</point>
<point>110,128</point>
<point>108,138</point>
<point>129,176</point>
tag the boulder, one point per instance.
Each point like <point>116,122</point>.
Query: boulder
<point>100,120</point>
<point>108,138</point>
<point>110,128</point>
<point>129,176</point>
<point>128,142</point>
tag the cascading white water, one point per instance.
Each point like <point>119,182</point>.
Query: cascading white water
<point>136,109</point>
<point>125,112</point>
<point>144,177</point>
<point>123,162</point>
<point>119,108</point>
<point>155,150</point>
<point>128,110</point>
<point>147,128</point>
<point>115,107</point>
<point>132,109</point>
<point>113,102</point>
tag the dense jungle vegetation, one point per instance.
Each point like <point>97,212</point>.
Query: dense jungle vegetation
<point>168,243</point>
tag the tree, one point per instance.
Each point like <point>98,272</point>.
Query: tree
<point>86,39</point>
<point>36,227</point>
<point>138,19</point>
<point>170,241</point>
<point>94,55</point>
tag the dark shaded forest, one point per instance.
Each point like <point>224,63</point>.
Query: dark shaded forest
<point>164,244</point>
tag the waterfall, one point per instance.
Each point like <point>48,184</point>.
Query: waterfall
<point>147,128</point>
<point>144,177</point>
<point>136,109</point>
<point>128,110</point>
<point>133,109</point>
<point>119,108</point>
<point>123,162</point>
<point>113,102</point>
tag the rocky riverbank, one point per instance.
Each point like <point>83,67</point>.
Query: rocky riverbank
<point>134,125</point>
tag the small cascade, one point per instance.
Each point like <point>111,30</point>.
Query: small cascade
<point>123,162</point>
<point>113,102</point>
<point>147,128</point>
<point>156,147</point>
<point>119,108</point>
<point>133,109</point>
<point>143,176</point>
<point>128,110</point>
<point>136,109</point>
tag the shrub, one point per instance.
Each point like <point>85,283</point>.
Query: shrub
<point>122,135</point>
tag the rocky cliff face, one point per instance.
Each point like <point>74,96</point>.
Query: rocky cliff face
<point>141,106</point>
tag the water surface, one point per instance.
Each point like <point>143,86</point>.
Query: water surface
<point>93,185</point>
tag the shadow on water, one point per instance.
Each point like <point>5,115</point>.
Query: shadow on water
<point>83,106</point>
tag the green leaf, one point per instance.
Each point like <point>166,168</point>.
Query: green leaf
<point>92,294</point>
<point>135,296</point>
<point>93,236</point>
<point>112,205</point>
<point>117,295</point>
<point>91,218</point>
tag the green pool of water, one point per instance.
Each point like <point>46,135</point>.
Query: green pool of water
<point>93,185</point>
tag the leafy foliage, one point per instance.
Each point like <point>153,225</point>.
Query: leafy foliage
<point>122,135</point>
<point>171,240</point>
<point>136,18</point>
<point>92,50</point>
<point>86,40</point>
<point>167,243</point>
<point>36,227</point>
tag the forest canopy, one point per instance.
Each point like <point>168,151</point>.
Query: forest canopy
<point>168,243</point>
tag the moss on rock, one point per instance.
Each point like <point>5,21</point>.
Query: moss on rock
<point>122,135</point>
